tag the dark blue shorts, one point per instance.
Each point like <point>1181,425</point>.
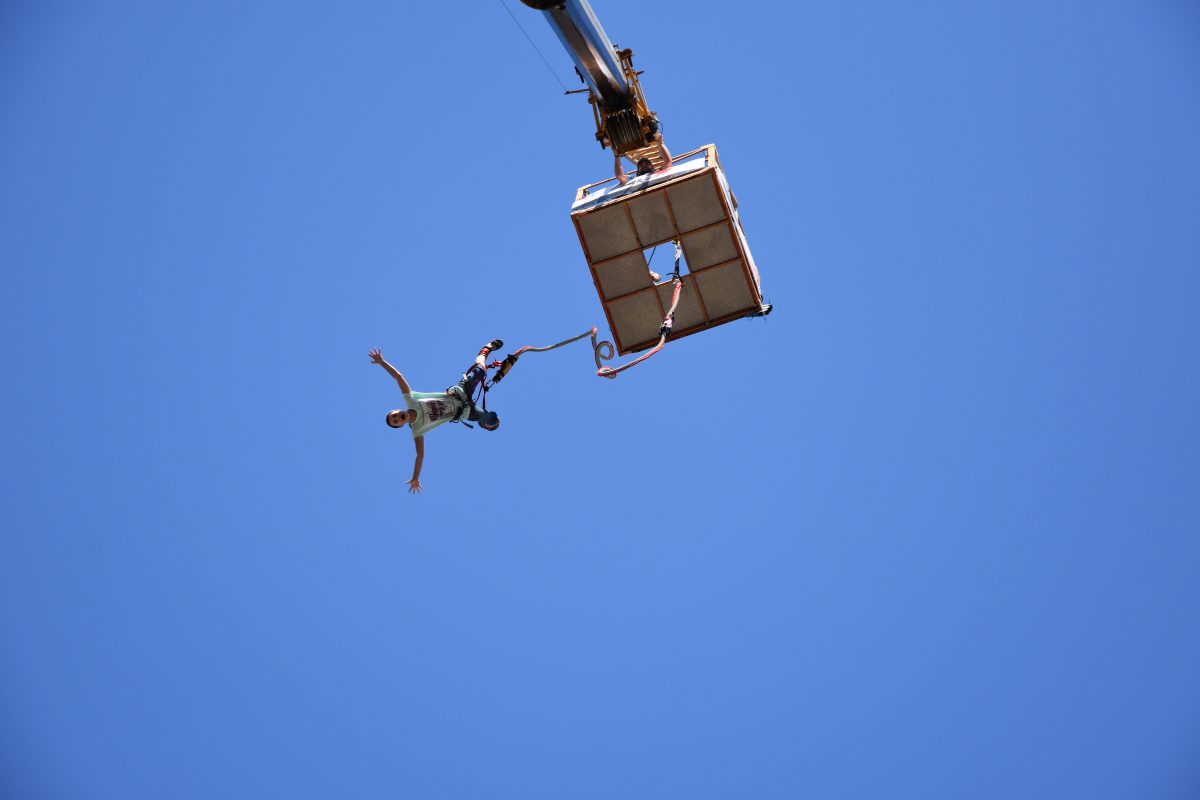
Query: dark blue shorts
<point>468,386</point>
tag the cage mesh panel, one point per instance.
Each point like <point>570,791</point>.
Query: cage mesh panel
<point>652,219</point>
<point>608,233</point>
<point>725,290</point>
<point>696,202</point>
<point>709,246</point>
<point>623,275</point>
<point>636,319</point>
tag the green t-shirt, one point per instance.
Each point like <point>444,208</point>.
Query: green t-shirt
<point>433,408</point>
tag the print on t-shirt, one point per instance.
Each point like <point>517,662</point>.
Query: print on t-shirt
<point>433,408</point>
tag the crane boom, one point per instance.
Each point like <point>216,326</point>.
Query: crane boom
<point>581,34</point>
<point>623,121</point>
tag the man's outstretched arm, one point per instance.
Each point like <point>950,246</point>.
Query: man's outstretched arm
<point>619,171</point>
<point>377,358</point>
<point>663,153</point>
<point>414,485</point>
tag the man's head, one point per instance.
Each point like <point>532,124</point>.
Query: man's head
<point>488,420</point>
<point>645,166</point>
<point>398,416</point>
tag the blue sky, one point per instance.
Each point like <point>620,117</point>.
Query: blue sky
<point>929,530</point>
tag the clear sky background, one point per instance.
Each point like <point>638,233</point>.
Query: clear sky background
<point>928,531</point>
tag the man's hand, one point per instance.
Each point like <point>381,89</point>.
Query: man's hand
<point>414,486</point>
<point>377,358</point>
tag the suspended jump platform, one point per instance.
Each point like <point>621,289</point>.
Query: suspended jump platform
<point>690,202</point>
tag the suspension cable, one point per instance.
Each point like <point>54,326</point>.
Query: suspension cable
<point>535,47</point>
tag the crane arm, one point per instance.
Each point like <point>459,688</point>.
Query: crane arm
<point>623,120</point>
